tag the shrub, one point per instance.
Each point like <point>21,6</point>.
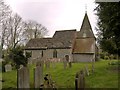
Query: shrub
<point>18,57</point>
<point>106,57</point>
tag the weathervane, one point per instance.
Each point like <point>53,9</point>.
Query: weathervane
<point>85,8</point>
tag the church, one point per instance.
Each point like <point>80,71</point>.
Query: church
<point>80,46</point>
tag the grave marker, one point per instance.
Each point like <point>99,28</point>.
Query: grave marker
<point>70,64</point>
<point>38,76</point>
<point>8,67</point>
<point>82,79</point>
<point>23,78</point>
<point>65,63</point>
<point>47,64</point>
<point>86,70</point>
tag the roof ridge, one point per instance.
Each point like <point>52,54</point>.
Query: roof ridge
<point>66,30</point>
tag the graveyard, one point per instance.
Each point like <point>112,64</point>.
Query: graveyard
<point>104,75</point>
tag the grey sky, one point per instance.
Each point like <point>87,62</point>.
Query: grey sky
<point>55,14</point>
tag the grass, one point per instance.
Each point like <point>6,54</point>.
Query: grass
<point>103,77</point>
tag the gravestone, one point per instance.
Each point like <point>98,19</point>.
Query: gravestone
<point>82,80</point>
<point>38,76</point>
<point>65,63</point>
<point>47,64</point>
<point>8,67</point>
<point>53,62</point>
<point>86,70</point>
<point>41,66</point>
<point>70,64</point>
<point>23,78</point>
<point>93,67</point>
<point>76,81</point>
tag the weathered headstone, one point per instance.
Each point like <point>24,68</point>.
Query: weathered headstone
<point>8,67</point>
<point>47,63</point>
<point>23,78</point>
<point>38,76</point>
<point>86,70</point>
<point>76,81</point>
<point>82,80</point>
<point>70,64</point>
<point>41,66</point>
<point>65,63</point>
<point>93,67</point>
<point>53,62</point>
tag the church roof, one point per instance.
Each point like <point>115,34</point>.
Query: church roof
<point>61,39</point>
<point>85,29</point>
<point>84,45</point>
<point>79,41</point>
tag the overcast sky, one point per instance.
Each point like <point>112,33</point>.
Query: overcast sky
<point>55,14</point>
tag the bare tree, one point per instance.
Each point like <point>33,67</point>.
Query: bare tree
<point>4,14</point>
<point>15,30</point>
<point>34,30</point>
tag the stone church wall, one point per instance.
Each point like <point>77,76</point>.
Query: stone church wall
<point>49,53</point>
<point>83,57</point>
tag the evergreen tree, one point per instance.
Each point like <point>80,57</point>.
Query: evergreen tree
<point>109,26</point>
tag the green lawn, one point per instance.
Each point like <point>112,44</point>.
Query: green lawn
<point>105,76</point>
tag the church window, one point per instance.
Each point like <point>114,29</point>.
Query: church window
<point>55,53</point>
<point>42,53</point>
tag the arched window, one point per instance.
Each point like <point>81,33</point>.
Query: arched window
<point>67,58</point>
<point>55,53</point>
<point>42,53</point>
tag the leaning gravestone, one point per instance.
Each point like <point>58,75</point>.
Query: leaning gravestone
<point>86,70</point>
<point>23,78</point>
<point>8,67</point>
<point>38,74</point>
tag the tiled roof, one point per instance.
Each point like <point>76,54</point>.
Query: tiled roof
<point>85,45</point>
<point>61,39</point>
<point>65,36</point>
<point>85,28</point>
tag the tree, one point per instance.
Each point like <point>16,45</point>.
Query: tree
<point>15,30</point>
<point>4,13</point>
<point>34,30</point>
<point>109,26</point>
<point>18,57</point>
